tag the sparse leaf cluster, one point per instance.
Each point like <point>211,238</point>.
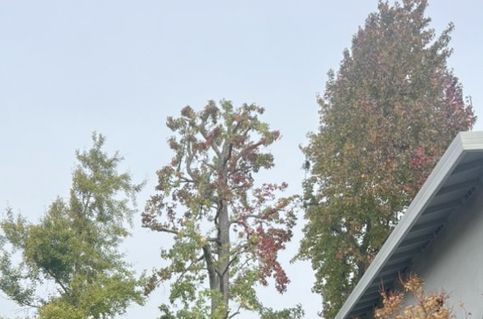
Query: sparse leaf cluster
<point>423,306</point>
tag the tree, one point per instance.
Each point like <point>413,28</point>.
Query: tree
<point>226,231</point>
<point>385,119</point>
<point>73,248</point>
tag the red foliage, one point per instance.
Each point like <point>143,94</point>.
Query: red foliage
<point>270,243</point>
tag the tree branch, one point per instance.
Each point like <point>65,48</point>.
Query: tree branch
<point>57,280</point>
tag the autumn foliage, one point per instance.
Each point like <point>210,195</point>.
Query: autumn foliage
<point>227,230</point>
<point>386,117</point>
<point>424,305</point>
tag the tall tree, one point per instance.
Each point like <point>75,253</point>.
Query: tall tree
<point>226,231</point>
<point>386,117</point>
<point>70,265</point>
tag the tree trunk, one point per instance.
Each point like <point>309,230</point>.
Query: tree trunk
<point>224,230</point>
<point>210,267</point>
<point>224,254</point>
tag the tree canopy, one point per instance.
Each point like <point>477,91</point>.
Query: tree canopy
<point>386,117</point>
<point>227,230</point>
<point>70,265</point>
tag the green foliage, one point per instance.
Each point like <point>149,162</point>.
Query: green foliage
<point>227,232</point>
<point>292,313</point>
<point>386,117</point>
<point>74,246</point>
<point>60,309</point>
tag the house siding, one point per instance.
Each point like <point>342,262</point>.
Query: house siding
<point>454,261</point>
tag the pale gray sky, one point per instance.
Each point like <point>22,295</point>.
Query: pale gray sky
<point>120,67</point>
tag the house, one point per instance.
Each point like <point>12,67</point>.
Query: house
<point>439,238</point>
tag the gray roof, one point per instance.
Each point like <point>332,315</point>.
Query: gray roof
<point>452,181</point>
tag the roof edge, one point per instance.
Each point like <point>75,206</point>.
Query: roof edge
<point>471,140</point>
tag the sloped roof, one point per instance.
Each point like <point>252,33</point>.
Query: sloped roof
<point>452,181</point>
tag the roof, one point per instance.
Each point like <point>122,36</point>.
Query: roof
<point>453,180</point>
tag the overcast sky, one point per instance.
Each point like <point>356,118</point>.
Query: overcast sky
<point>68,68</point>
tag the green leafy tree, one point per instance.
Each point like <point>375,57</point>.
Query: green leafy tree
<point>226,231</point>
<point>290,313</point>
<point>386,117</point>
<point>70,265</point>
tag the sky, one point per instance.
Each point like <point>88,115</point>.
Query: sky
<point>68,68</point>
